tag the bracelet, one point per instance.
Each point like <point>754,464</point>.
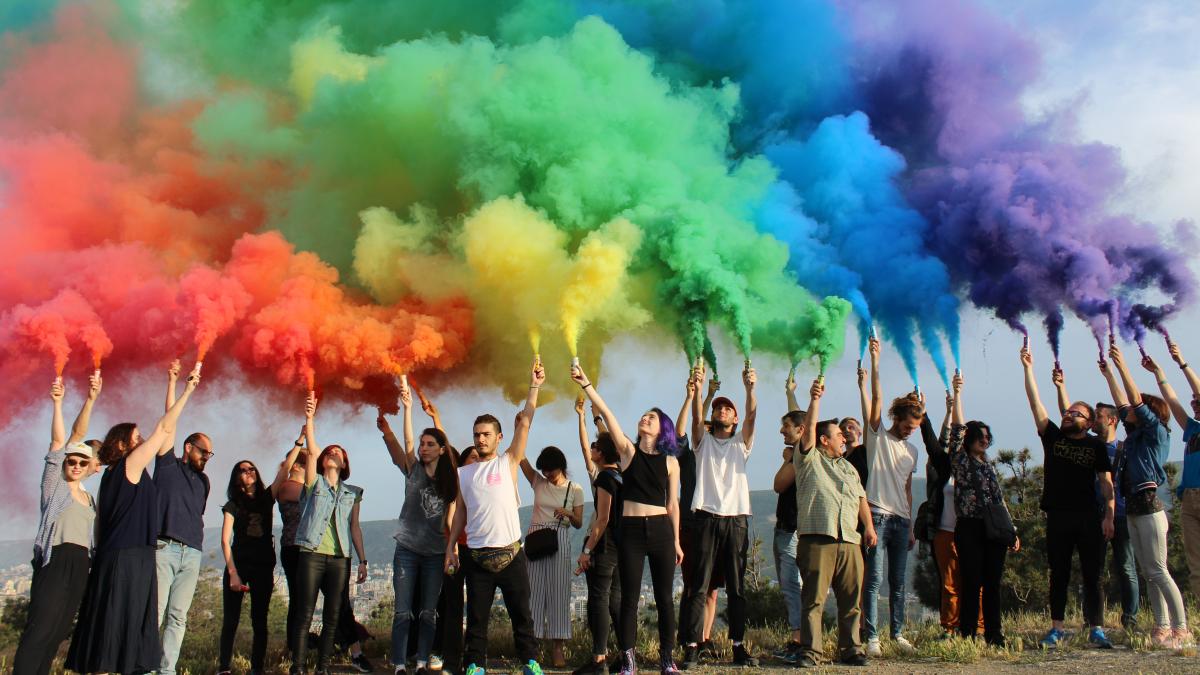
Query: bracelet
<point>362,562</point>
<point>1183,366</point>
<point>534,386</point>
<point>585,386</point>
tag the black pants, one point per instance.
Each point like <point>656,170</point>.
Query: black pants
<point>647,537</point>
<point>604,595</point>
<point>1067,531</point>
<point>288,556</point>
<point>722,542</point>
<point>513,582</point>
<point>260,578</point>
<point>450,620</point>
<point>54,600</point>
<point>346,633</point>
<point>327,575</point>
<point>980,565</point>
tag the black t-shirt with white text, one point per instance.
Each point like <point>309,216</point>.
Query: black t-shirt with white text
<point>1071,465</point>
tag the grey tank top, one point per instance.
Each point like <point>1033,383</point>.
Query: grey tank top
<point>74,524</point>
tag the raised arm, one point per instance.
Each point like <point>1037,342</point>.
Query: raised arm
<point>1131,388</point>
<point>310,439</point>
<point>516,451</point>
<point>1179,412</point>
<point>624,445</point>
<point>789,386</point>
<point>1060,386</point>
<point>1114,387</point>
<point>58,433</point>
<point>928,438</point>
<point>945,428</point>
<point>683,419</point>
<point>698,408</point>
<point>585,442</point>
<point>714,385</point>
<point>956,386</point>
<point>172,380</point>
<point>1188,371</point>
<point>875,416</point>
<point>749,378</point>
<point>399,454</point>
<point>428,406</point>
<point>864,397</point>
<point>164,431</point>
<point>285,469</point>
<point>808,439</point>
<point>1040,420</point>
<point>80,428</point>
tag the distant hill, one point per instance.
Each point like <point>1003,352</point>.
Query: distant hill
<point>377,534</point>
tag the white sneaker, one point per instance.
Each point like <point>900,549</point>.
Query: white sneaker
<point>435,662</point>
<point>874,651</point>
<point>904,645</point>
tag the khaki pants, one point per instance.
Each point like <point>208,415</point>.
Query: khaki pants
<point>825,562</point>
<point>1189,516</point>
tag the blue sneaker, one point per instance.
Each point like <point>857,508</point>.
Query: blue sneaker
<point>1049,642</point>
<point>1098,638</point>
<point>474,670</point>
<point>531,668</point>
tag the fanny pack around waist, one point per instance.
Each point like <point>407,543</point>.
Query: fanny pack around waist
<point>494,560</point>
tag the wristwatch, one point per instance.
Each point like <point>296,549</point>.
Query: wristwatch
<point>587,551</point>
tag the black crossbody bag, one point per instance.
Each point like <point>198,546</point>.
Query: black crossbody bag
<point>543,543</point>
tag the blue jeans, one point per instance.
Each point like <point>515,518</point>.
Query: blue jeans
<point>406,567</point>
<point>789,575</point>
<point>1123,568</point>
<point>177,567</point>
<point>893,538</point>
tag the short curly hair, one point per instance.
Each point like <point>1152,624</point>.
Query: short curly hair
<point>907,407</point>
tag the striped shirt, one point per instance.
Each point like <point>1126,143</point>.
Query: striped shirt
<point>56,497</point>
<point>827,496</point>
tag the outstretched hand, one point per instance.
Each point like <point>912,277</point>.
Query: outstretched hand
<point>749,378</point>
<point>310,406</point>
<point>1176,355</point>
<point>537,375</point>
<point>381,423</point>
<point>1058,377</point>
<point>579,377</point>
<point>193,381</point>
<point>874,348</point>
<point>1149,364</point>
<point>579,406</point>
<point>406,397</point>
<point>174,369</point>
<point>817,390</point>
<point>57,390</point>
<point>1026,357</point>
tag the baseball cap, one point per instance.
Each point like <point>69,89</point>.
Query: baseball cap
<point>80,448</point>
<point>722,400</point>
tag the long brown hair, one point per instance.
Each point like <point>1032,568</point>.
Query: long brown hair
<point>1160,409</point>
<point>445,472</point>
<point>111,451</point>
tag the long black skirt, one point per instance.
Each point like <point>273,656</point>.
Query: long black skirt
<point>117,631</point>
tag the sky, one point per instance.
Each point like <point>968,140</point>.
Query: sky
<point>1132,72</point>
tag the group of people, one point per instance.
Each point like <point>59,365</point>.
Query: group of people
<point>675,495</point>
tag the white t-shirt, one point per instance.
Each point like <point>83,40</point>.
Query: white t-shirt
<point>547,497</point>
<point>721,485</point>
<point>890,463</point>
<point>490,494</point>
<point>949,515</point>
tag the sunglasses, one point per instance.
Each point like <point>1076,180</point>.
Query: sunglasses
<point>1076,414</point>
<point>81,463</point>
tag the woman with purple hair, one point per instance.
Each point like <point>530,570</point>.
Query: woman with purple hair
<point>649,521</point>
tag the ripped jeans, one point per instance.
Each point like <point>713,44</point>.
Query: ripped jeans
<point>406,568</point>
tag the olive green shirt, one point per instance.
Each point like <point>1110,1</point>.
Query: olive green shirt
<point>827,496</point>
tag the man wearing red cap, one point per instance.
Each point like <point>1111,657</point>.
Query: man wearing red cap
<point>721,507</point>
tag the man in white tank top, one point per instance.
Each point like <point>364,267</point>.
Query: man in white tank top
<point>486,508</point>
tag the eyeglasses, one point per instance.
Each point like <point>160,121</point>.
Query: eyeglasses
<point>1076,414</point>
<point>81,463</point>
<point>204,452</point>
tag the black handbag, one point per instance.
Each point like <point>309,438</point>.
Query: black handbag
<point>543,543</point>
<point>998,524</point>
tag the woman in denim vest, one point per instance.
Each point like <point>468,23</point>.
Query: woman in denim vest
<point>328,526</point>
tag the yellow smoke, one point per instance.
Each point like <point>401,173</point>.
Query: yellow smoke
<point>320,56</point>
<point>595,284</point>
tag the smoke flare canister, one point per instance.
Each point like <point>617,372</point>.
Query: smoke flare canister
<point>574,361</point>
<point>1025,342</point>
<point>404,381</point>
<point>196,368</point>
<point>874,336</point>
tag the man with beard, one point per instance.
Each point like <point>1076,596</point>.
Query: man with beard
<point>183,491</point>
<point>1074,460</point>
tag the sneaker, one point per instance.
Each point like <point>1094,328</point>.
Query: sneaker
<point>708,650</point>
<point>1053,637</point>
<point>804,661</point>
<point>1161,636</point>
<point>904,645</point>
<point>1098,638</point>
<point>669,667</point>
<point>435,663</point>
<point>474,670</point>
<point>399,670</point>
<point>1183,637</point>
<point>788,648</point>
<point>628,663</point>
<point>856,660</point>
<point>531,668</point>
<point>361,664</point>
<point>691,654</point>
<point>873,649</point>
<point>742,658</point>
